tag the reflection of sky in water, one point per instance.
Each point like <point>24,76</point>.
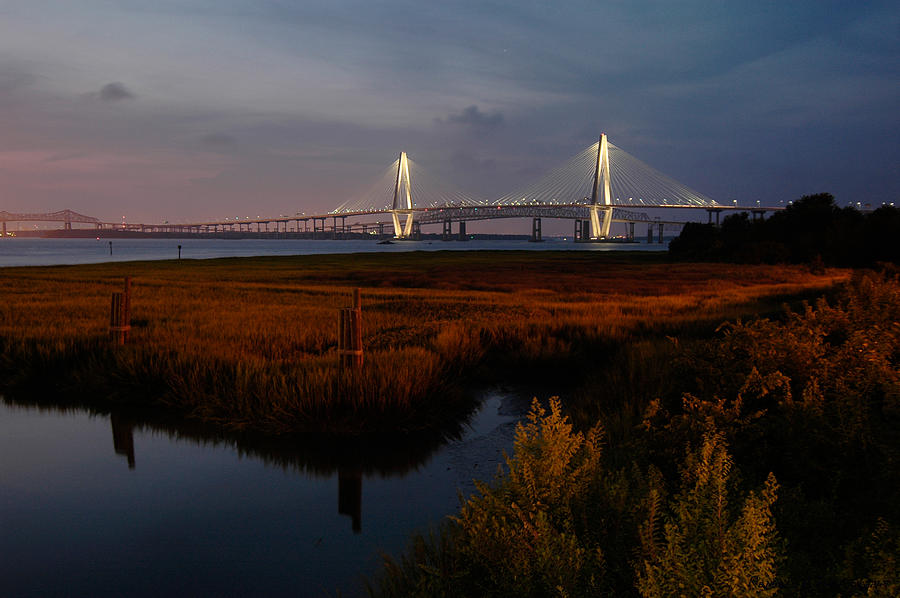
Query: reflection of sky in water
<point>22,251</point>
<point>191,518</point>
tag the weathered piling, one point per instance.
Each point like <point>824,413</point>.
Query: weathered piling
<point>350,346</point>
<point>120,314</point>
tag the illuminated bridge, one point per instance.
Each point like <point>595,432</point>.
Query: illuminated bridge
<point>600,185</point>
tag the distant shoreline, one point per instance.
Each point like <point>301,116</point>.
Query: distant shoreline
<point>307,236</point>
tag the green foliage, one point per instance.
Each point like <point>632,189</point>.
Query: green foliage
<point>705,547</point>
<point>874,562</point>
<point>814,397</point>
<point>522,534</point>
<point>525,535</point>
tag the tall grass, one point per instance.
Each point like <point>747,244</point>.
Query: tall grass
<point>251,343</point>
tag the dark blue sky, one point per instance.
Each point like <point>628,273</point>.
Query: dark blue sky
<point>196,109</point>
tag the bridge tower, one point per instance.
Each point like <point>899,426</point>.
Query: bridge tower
<point>601,230</point>
<point>401,205</point>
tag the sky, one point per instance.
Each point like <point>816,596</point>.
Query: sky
<point>205,109</point>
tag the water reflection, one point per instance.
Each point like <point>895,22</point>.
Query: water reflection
<point>350,496</point>
<point>349,477</point>
<point>349,460</point>
<point>123,437</point>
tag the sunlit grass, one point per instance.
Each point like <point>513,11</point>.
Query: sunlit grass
<point>252,342</point>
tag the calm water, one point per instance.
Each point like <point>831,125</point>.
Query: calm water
<point>19,251</point>
<point>93,505</point>
<point>98,505</point>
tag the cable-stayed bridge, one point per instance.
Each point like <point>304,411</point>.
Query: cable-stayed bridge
<point>600,185</point>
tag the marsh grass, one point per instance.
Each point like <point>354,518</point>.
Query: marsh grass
<point>251,342</point>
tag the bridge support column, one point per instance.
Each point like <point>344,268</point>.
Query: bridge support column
<point>462,231</point>
<point>4,228</point>
<point>631,231</point>
<point>585,230</point>
<point>710,212</point>
<point>649,233</point>
<point>447,232</point>
<point>381,229</point>
<point>659,238</point>
<point>402,199</point>
<point>599,229</point>
<point>402,232</point>
<point>536,236</point>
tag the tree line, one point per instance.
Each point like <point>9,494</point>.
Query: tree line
<point>811,230</point>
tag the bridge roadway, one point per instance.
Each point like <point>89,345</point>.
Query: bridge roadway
<point>318,223</point>
<point>446,215</point>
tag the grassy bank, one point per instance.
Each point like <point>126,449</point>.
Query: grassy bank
<point>755,461</point>
<point>251,342</point>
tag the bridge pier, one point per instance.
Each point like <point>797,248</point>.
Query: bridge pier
<point>631,231</point>
<point>447,232</point>
<point>717,212</point>
<point>660,236</point>
<point>4,228</point>
<point>536,236</point>
<point>649,233</point>
<point>462,231</point>
<point>582,230</point>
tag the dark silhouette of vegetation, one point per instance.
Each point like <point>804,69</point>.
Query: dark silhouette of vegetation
<point>790,484</point>
<point>812,230</point>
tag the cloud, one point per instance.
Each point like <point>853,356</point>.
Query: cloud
<point>218,140</point>
<point>12,79</point>
<point>468,162</point>
<point>115,91</point>
<point>473,118</point>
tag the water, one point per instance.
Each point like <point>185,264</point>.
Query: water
<point>22,251</point>
<point>97,505</point>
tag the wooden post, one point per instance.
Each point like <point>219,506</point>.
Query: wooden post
<point>350,335</point>
<point>116,313</point>
<point>126,316</point>
<point>120,314</point>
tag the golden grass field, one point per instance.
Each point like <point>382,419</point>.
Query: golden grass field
<point>251,342</point>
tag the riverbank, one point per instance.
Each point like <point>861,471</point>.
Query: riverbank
<point>251,343</point>
<point>758,460</point>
